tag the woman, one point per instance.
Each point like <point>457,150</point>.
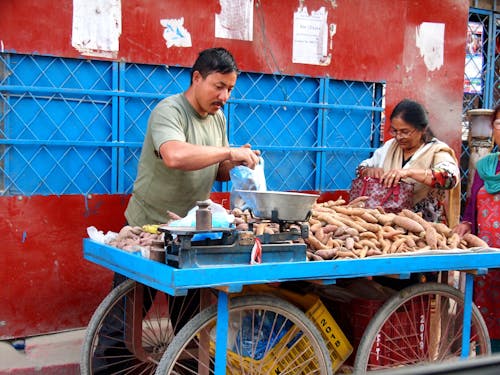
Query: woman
<point>482,217</point>
<point>414,155</point>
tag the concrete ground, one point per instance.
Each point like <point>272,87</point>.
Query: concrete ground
<point>52,354</point>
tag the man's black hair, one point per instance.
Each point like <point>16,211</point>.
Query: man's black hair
<point>214,60</point>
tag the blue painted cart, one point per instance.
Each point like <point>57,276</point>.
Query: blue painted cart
<point>227,279</point>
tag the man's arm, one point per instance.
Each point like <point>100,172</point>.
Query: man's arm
<point>188,157</point>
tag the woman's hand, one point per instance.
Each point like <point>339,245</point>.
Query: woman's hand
<point>393,177</point>
<point>372,172</point>
<point>463,228</point>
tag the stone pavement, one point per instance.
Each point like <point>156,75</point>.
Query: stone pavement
<point>51,354</point>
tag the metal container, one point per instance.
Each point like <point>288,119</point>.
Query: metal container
<point>276,205</point>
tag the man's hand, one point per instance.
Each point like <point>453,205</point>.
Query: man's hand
<point>244,155</point>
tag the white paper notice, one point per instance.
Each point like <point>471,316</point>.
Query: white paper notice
<point>310,37</point>
<point>235,20</point>
<point>430,41</point>
<point>175,33</point>
<point>97,26</point>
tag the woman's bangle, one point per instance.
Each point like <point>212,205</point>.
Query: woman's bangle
<point>359,171</point>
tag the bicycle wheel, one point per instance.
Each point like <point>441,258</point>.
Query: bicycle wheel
<point>266,335</point>
<point>131,328</point>
<point>421,323</point>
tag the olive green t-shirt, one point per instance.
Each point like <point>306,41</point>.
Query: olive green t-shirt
<point>158,188</point>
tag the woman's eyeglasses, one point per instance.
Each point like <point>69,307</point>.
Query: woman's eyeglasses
<point>405,133</point>
<point>496,124</point>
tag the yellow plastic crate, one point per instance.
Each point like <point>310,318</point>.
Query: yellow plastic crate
<point>289,349</point>
<point>237,364</point>
<point>292,353</point>
<point>340,348</point>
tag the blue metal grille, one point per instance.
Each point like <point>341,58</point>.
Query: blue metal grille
<point>70,126</point>
<point>488,66</point>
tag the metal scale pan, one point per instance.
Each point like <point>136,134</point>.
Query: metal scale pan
<point>275,205</point>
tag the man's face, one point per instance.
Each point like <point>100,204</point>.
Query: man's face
<point>212,92</point>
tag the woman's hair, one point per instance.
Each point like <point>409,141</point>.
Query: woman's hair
<point>414,114</point>
<point>495,113</point>
<point>214,60</point>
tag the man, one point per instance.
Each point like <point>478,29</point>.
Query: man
<point>185,150</point>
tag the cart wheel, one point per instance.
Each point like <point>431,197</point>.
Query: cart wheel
<point>421,323</point>
<point>266,335</point>
<point>125,337</point>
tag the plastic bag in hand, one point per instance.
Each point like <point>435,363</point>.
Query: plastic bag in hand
<point>244,178</point>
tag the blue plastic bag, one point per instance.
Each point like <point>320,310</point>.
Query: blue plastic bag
<point>244,178</point>
<point>220,219</point>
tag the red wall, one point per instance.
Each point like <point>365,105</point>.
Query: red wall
<point>375,41</point>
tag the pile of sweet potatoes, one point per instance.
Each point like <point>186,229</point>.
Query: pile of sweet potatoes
<point>348,230</point>
<point>133,238</point>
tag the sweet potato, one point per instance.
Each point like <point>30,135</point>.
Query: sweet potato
<point>409,224</point>
<point>326,254</point>
<point>442,228</point>
<point>315,227</point>
<point>358,202</point>
<point>349,210</point>
<point>372,252</point>
<point>351,223</point>
<point>320,235</point>
<point>474,241</point>
<point>396,244</point>
<point>431,237</point>
<point>373,243</point>
<point>312,256</point>
<point>369,218</point>
<point>363,252</point>
<point>384,219</point>
<point>329,219</point>
<point>370,226</point>
<point>346,254</point>
<point>315,243</point>
<point>349,243</point>
<point>338,202</point>
<point>454,241</point>
<point>340,231</point>
<point>368,235</point>
<point>389,232</point>
<point>330,228</point>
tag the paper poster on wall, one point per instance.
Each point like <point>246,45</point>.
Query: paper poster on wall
<point>310,37</point>
<point>473,81</point>
<point>430,41</point>
<point>235,20</point>
<point>97,26</point>
<point>175,34</point>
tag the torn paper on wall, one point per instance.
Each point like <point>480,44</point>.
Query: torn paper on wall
<point>235,20</point>
<point>175,34</point>
<point>430,41</point>
<point>310,37</point>
<point>97,26</point>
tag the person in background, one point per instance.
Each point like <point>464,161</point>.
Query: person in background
<point>414,155</point>
<point>185,150</point>
<point>481,217</point>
